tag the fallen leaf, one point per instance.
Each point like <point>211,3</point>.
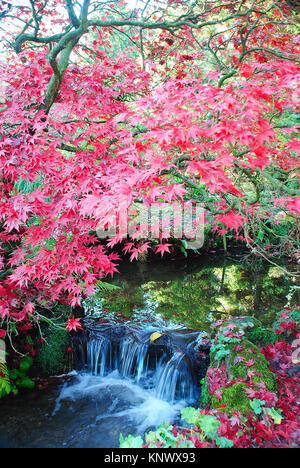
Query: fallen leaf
<point>155,336</point>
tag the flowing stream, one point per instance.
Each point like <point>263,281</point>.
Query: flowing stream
<point>127,379</point>
<point>125,383</point>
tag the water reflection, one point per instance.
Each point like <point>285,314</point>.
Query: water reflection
<point>194,293</point>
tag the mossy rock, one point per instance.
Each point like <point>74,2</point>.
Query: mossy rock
<point>239,370</point>
<point>240,356</point>
<point>262,337</point>
<point>234,397</point>
<point>204,397</point>
<point>52,357</point>
<point>244,323</point>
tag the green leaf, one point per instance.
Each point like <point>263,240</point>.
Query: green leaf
<point>5,387</point>
<point>26,382</point>
<point>221,354</point>
<point>186,444</point>
<point>275,415</point>
<point>14,374</point>
<point>209,425</point>
<point>50,244</point>
<point>223,442</point>
<point>106,286</point>
<point>34,221</point>
<point>191,415</point>
<point>256,405</point>
<point>183,251</point>
<point>26,363</point>
<point>260,234</point>
<point>150,438</point>
<point>165,436</point>
<point>131,442</point>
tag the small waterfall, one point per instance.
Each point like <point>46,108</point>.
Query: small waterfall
<point>173,380</point>
<point>99,355</point>
<point>134,358</point>
<point>169,365</point>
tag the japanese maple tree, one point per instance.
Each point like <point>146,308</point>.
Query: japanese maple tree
<point>166,102</point>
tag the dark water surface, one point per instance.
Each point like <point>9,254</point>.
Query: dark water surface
<point>87,410</point>
<point>197,292</point>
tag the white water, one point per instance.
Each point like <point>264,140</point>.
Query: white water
<point>119,398</point>
<point>128,385</point>
<point>169,372</point>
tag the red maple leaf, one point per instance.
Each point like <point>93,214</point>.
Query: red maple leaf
<point>162,248</point>
<point>231,220</point>
<point>74,324</point>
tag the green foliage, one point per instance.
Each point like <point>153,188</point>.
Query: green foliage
<point>241,356</point>
<point>52,357</point>
<point>261,365</point>
<point>113,298</point>
<point>104,286</point>
<point>233,398</point>
<point>262,336</point>
<point>28,187</point>
<point>275,414</point>
<point>292,315</point>
<point>164,435</point>
<point>131,441</point>
<point>208,424</point>
<point>5,386</point>
<point>19,378</point>
<point>161,437</point>
<point>197,297</point>
<point>191,415</point>
<point>223,442</point>
<point>257,405</point>
<point>220,350</point>
<point>205,397</point>
<point>26,363</point>
<point>50,244</point>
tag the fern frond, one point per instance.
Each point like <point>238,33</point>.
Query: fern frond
<point>5,387</point>
<point>107,286</point>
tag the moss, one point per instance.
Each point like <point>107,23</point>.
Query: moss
<point>261,365</point>
<point>240,356</point>
<point>234,397</point>
<point>262,337</point>
<point>52,357</point>
<point>204,397</point>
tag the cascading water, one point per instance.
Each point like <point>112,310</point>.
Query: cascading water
<point>129,380</point>
<point>169,365</point>
<point>123,383</point>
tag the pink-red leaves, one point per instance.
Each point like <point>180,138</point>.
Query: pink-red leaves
<point>231,220</point>
<point>163,248</point>
<point>74,324</point>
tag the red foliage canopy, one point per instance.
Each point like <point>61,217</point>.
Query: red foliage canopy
<point>78,136</point>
